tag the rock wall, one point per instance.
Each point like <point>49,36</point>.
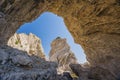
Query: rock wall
<point>17,62</point>
<point>61,53</point>
<point>18,65</point>
<point>95,24</point>
<point>29,43</point>
<point>92,73</point>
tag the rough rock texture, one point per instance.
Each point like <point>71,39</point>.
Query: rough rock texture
<point>61,53</point>
<point>18,65</point>
<point>95,24</point>
<point>92,73</point>
<point>29,43</point>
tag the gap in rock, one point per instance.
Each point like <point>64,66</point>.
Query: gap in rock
<point>47,27</point>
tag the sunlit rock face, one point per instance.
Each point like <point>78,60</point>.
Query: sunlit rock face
<point>29,43</point>
<point>61,53</point>
<point>95,24</point>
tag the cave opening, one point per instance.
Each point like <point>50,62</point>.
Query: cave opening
<point>48,26</point>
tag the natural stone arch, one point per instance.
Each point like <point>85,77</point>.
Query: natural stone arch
<point>95,24</point>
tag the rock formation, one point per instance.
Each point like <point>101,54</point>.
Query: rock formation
<point>18,65</point>
<point>95,24</point>
<point>92,73</point>
<point>61,53</point>
<point>29,43</point>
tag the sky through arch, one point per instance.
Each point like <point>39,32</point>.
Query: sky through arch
<point>47,27</point>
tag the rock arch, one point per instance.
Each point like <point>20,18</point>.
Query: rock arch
<point>95,24</point>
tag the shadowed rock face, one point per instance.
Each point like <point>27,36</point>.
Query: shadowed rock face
<point>61,53</point>
<point>18,65</point>
<point>92,73</point>
<point>95,24</point>
<point>29,43</point>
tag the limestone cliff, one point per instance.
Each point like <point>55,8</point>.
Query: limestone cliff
<point>29,43</point>
<point>61,53</point>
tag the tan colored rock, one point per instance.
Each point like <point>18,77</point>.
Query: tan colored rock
<point>95,24</point>
<point>61,53</point>
<point>29,43</point>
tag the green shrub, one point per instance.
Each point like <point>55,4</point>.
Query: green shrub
<point>17,42</point>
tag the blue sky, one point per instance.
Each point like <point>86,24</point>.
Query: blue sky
<point>47,27</point>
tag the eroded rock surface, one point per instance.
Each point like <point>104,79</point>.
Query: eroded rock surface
<point>29,43</point>
<point>95,24</point>
<point>61,53</point>
<point>92,73</point>
<point>18,65</point>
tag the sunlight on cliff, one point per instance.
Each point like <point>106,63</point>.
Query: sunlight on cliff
<point>48,27</point>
